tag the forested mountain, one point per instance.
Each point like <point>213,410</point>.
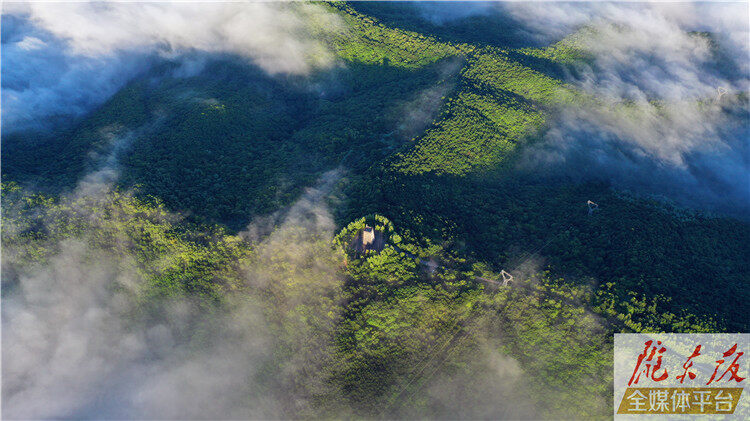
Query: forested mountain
<point>217,207</point>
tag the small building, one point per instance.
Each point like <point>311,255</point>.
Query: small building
<point>368,239</point>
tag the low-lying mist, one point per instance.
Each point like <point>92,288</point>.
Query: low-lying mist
<point>674,134</point>
<point>666,130</point>
<point>82,338</point>
<point>663,127</point>
<point>107,315</point>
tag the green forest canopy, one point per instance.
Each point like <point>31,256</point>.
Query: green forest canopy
<point>236,143</point>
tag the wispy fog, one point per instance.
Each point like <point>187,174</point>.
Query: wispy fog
<point>663,128</point>
<point>78,343</point>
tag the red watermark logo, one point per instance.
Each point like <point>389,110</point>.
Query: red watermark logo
<point>700,374</point>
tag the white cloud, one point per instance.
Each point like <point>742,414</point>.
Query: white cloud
<point>276,37</point>
<point>62,59</point>
<point>78,344</point>
<point>673,140</point>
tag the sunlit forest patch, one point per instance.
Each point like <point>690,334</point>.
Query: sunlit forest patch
<point>366,210</point>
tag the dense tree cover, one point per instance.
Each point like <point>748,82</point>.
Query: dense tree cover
<point>51,160</point>
<point>494,68</point>
<point>175,258</point>
<point>283,298</point>
<point>231,143</point>
<point>641,249</point>
<point>458,24</point>
<point>389,328</point>
<point>466,201</point>
<point>235,142</point>
<point>400,330</point>
<point>569,50</point>
<point>476,131</point>
<point>355,339</point>
<point>369,41</point>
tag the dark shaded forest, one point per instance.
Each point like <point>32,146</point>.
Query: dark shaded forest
<point>207,198</point>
